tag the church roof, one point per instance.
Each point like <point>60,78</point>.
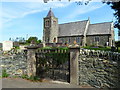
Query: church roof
<point>50,13</point>
<point>99,28</point>
<point>72,28</point>
<point>78,28</point>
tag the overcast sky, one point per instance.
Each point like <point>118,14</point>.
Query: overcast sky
<point>20,19</point>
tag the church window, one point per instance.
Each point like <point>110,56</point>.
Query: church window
<point>69,40</point>
<point>78,39</point>
<point>62,40</point>
<point>96,39</point>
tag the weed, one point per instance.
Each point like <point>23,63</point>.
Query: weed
<point>4,73</point>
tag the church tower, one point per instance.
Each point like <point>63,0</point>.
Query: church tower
<point>50,28</point>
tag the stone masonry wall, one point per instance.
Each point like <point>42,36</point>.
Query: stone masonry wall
<point>15,64</point>
<point>102,40</point>
<point>70,40</point>
<point>99,69</point>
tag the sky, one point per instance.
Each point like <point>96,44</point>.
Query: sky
<point>25,19</point>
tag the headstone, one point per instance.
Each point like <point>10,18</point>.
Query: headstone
<point>7,45</point>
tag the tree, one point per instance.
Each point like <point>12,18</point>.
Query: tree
<point>10,39</point>
<point>116,7</point>
<point>35,39</point>
<point>39,41</point>
<point>30,39</point>
<point>117,43</point>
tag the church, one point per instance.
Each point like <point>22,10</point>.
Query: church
<point>81,32</point>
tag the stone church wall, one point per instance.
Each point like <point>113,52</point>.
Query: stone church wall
<point>99,69</point>
<point>70,40</point>
<point>102,40</point>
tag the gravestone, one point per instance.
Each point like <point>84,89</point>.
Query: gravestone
<point>7,45</point>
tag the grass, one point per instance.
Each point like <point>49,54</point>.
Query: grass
<point>31,78</point>
<point>100,48</point>
<point>60,48</point>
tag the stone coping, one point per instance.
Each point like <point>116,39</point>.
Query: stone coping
<point>32,47</point>
<point>73,47</point>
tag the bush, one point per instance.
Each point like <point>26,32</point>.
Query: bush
<point>4,73</point>
<point>17,47</point>
<point>117,43</point>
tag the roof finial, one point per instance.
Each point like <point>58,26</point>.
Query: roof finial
<point>50,13</point>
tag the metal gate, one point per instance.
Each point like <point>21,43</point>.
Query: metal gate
<point>53,63</point>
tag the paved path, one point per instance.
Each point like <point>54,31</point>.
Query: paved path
<point>22,83</point>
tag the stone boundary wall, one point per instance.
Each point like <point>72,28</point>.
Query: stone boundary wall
<point>14,64</point>
<point>100,69</point>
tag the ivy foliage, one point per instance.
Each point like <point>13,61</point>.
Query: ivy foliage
<point>54,58</point>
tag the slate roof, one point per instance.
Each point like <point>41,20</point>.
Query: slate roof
<point>50,13</point>
<point>99,28</point>
<point>72,28</point>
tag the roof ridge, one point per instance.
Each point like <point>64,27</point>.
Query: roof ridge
<point>100,23</point>
<point>73,22</point>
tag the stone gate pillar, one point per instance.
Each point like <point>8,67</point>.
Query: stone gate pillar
<point>31,60</point>
<point>74,55</point>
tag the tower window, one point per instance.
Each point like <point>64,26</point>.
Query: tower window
<point>54,22</point>
<point>47,23</point>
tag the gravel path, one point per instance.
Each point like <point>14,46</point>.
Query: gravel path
<point>22,83</point>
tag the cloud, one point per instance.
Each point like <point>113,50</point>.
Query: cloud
<point>84,9</point>
<point>15,10</point>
